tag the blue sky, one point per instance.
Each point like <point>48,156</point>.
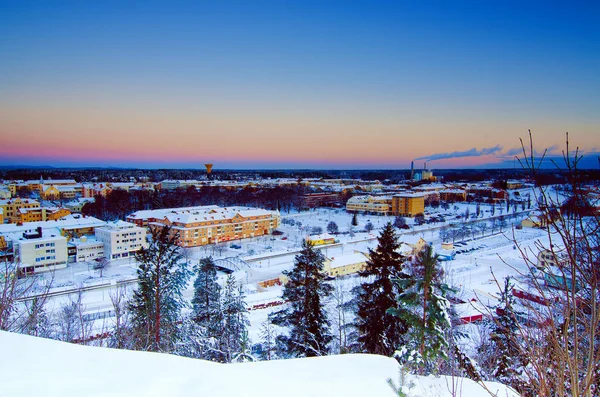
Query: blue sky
<point>411,79</point>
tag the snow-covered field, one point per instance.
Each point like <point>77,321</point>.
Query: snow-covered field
<point>42,367</point>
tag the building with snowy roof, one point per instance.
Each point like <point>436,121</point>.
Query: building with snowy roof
<point>39,250</point>
<point>344,265</point>
<point>121,239</point>
<point>212,224</point>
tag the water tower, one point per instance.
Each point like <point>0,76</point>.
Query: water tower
<point>208,168</point>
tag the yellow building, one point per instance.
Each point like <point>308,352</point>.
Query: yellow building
<point>380,205</point>
<point>42,214</point>
<point>404,204</point>
<point>12,207</point>
<point>198,226</point>
<point>345,264</point>
<point>53,192</point>
<point>1,216</point>
<point>408,204</point>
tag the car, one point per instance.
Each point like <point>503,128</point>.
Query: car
<point>284,238</point>
<point>235,246</point>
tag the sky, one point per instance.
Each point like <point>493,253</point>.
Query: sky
<point>297,84</point>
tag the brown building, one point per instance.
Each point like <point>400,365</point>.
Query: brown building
<point>312,200</point>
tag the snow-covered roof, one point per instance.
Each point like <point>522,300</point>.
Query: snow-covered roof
<point>67,222</point>
<point>345,260</point>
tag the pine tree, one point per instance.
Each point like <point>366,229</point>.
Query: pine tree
<point>506,353</point>
<point>379,332</point>
<point>305,313</point>
<point>354,219</point>
<point>424,307</point>
<point>157,302</point>
<point>234,337</point>
<point>206,309</point>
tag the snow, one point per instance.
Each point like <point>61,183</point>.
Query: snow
<point>43,367</point>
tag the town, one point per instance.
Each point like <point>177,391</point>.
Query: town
<point>83,255</point>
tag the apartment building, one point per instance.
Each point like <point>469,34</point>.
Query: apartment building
<point>40,250</point>
<point>408,204</point>
<point>453,195</point>
<point>12,207</point>
<point>87,248</point>
<point>42,214</point>
<point>198,226</point>
<point>380,205</point>
<point>121,239</point>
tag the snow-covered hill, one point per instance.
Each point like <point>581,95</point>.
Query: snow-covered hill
<point>40,367</point>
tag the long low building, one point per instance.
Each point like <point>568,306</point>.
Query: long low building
<point>204,225</point>
<point>404,204</point>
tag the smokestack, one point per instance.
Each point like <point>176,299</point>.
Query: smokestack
<point>412,170</point>
<point>424,166</point>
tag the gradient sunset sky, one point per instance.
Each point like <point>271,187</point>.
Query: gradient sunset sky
<point>302,84</point>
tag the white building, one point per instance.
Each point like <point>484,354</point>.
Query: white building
<point>87,248</point>
<point>121,239</point>
<point>40,250</point>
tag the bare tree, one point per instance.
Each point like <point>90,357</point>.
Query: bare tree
<point>21,298</point>
<point>561,339</point>
<point>100,264</point>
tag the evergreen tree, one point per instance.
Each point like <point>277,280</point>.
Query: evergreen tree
<point>424,307</point>
<point>354,219</point>
<point>377,331</point>
<point>157,302</point>
<point>206,310</point>
<point>507,358</point>
<point>305,313</point>
<point>234,338</point>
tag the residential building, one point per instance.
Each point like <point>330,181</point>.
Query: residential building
<point>453,195</point>
<point>198,226</point>
<point>77,204</point>
<point>55,192</point>
<point>1,216</point>
<point>11,208</point>
<point>345,264</point>
<point>4,193</point>
<point>121,239</point>
<point>408,204</point>
<point>42,214</point>
<point>87,248</point>
<point>312,200</point>
<point>40,250</point>
<point>380,205</point>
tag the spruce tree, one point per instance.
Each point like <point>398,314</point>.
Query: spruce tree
<point>305,313</point>
<point>234,338</point>
<point>424,307</point>
<point>206,309</point>
<point>507,357</point>
<point>157,302</point>
<point>377,331</point>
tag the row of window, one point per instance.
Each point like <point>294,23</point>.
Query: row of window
<point>38,246</point>
<point>44,258</point>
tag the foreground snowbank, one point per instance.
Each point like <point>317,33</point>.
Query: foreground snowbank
<point>40,367</point>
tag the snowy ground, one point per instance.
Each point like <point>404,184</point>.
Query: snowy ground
<point>268,256</point>
<point>43,367</point>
